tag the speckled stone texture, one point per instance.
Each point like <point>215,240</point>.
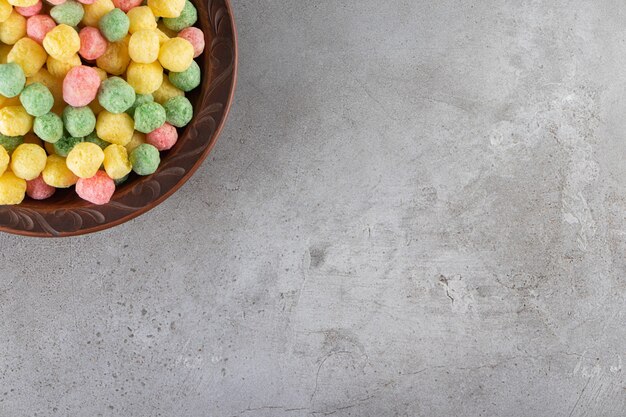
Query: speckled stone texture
<point>417,209</point>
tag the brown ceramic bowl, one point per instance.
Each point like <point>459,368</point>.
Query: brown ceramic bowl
<point>66,214</point>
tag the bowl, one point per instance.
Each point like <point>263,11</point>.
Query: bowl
<point>65,214</point>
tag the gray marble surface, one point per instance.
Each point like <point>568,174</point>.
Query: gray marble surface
<point>417,209</point>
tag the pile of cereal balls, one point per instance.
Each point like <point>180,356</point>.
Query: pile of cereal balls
<point>91,90</point>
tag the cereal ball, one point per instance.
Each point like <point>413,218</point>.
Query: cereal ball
<point>115,59</point>
<point>54,84</point>
<point>95,11</point>
<point>62,43</point>
<point>145,159</point>
<point>93,138</point>
<point>80,86</point>
<point>57,174</point>
<point>65,145</point>
<point>139,100</point>
<point>116,95</point>
<point>48,127</point>
<point>176,54</point>
<point>166,91</point>
<point>127,5</point>
<point>15,121</point>
<point>92,44</point>
<point>188,17</point>
<point>5,10</point>
<point>188,79</point>
<point>143,46</point>
<point>145,78</point>
<point>148,117</point>
<point>30,10</point>
<point>114,25</point>
<point>55,2</point>
<point>37,99</point>
<point>12,80</point>
<point>10,143</point>
<point>28,161</point>
<point>115,128</point>
<point>166,8</point>
<point>116,162</point>
<point>85,159</point>
<point>68,13</point>
<point>137,139</point>
<point>37,189</point>
<point>29,55</point>
<point>196,38</point>
<point>179,111</point>
<point>38,26</point>
<point>83,1</point>
<point>22,3</point>
<point>141,18</point>
<point>13,29</point>
<point>97,190</point>
<point>79,121</point>
<point>163,138</point>
<point>12,189</point>
<point>4,160</point>
<point>59,69</point>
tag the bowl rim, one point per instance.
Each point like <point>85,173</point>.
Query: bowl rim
<point>182,181</point>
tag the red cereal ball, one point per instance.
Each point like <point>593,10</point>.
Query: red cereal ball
<point>80,86</point>
<point>92,44</point>
<point>37,189</point>
<point>38,26</point>
<point>30,10</point>
<point>97,190</point>
<point>126,5</point>
<point>195,37</point>
<point>163,138</point>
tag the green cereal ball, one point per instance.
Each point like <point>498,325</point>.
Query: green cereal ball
<point>145,159</point>
<point>188,79</point>
<point>93,138</point>
<point>37,99</point>
<point>179,111</point>
<point>79,121</point>
<point>187,18</point>
<point>48,127</point>
<point>116,95</point>
<point>121,180</point>
<point>149,117</point>
<point>10,143</point>
<point>12,80</point>
<point>69,13</point>
<point>66,144</point>
<point>114,25</point>
<point>139,100</point>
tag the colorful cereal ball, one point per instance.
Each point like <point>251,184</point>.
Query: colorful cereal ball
<point>28,161</point>
<point>116,162</point>
<point>57,174</point>
<point>115,59</point>
<point>29,55</point>
<point>64,146</point>
<point>95,11</point>
<point>163,138</point>
<point>127,5</point>
<point>139,100</point>
<point>114,25</point>
<point>137,139</point>
<point>97,190</point>
<point>196,38</point>
<point>10,143</point>
<point>4,160</point>
<point>80,86</point>
<point>37,99</point>
<point>37,189</point>
<point>176,54</point>
<point>145,159</point>
<point>141,18</point>
<point>143,46</point>
<point>145,78</point>
<point>92,44</point>
<point>62,43</point>
<point>166,8</point>
<point>166,91</point>
<point>38,26</point>
<point>30,10</point>
<point>49,127</point>
<point>93,138</point>
<point>188,16</point>
<point>179,111</point>
<point>12,189</point>
<point>12,80</point>
<point>85,159</point>
<point>15,121</point>
<point>5,10</point>
<point>79,121</point>
<point>116,95</point>
<point>115,128</point>
<point>188,79</point>
<point>68,13</point>
<point>149,116</point>
<point>59,69</point>
<point>13,29</point>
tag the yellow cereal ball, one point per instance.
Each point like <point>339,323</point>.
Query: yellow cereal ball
<point>101,73</point>
<point>145,78</point>
<point>162,37</point>
<point>176,54</point>
<point>13,28</point>
<point>115,59</point>
<point>60,69</point>
<point>57,174</point>
<point>167,31</point>
<point>29,55</point>
<point>84,159</point>
<point>4,160</point>
<point>143,46</point>
<point>32,138</point>
<point>166,8</point>
<point>141,18</point>
<point>23,3</point>
<point>115,128</point>
<point>4,52</point>
<point>13,101</point>
<point>95,107</point>
<point>95,11</point>
<point>14,121</point>
<point>116,162</point>
<point>28,160</point>
<point>5,10</point>
<point>137,139</point>
<point>166,91</point>
<point>62,42</point>
<point>12,189</point>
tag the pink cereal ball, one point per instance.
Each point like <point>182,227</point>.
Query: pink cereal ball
<point>97,190</point>
<point>80,86</point>
<point>30,10</point>
<point>163,138</point>
<point>37,189</point>
<point>126,5</point>
<point>38,26</point>
<point>92,43</point>
<point>56,2</point>
<point>195,37</point>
